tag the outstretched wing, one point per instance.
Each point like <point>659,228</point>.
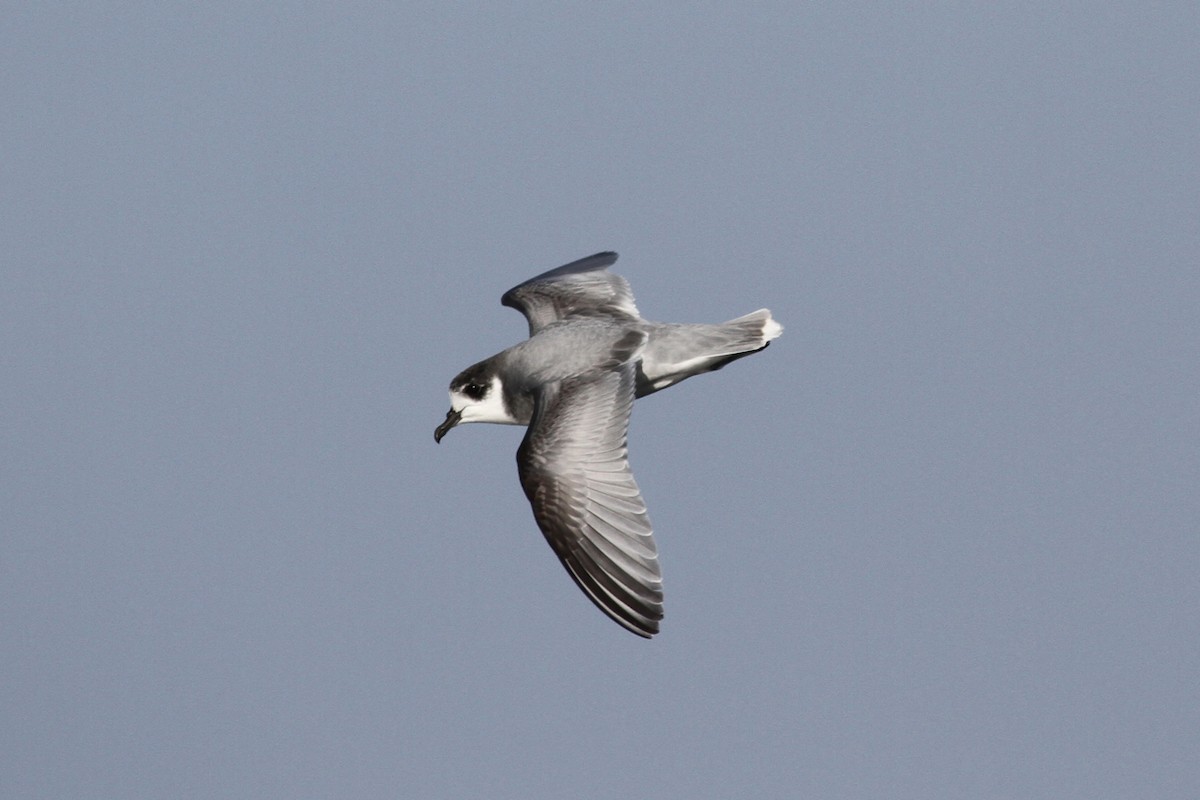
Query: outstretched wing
<point>581,288</point>
<point>575,472</point>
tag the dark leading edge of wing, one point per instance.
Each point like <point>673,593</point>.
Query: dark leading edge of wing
<point>580,288</point>
<point>575,472</point>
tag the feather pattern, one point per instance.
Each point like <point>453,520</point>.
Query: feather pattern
<point>581,288</point>
<point>575,471</point>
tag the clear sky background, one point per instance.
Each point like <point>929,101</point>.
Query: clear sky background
<point>941,540</point>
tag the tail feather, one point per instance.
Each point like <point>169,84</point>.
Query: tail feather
<point>676,352</point>
<point>760,322</point>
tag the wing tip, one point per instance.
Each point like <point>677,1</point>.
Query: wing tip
<point>642,619</point>
<point>592,263</point>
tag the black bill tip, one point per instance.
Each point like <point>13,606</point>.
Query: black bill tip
<point>452,418</point>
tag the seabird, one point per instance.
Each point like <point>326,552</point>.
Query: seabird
<point>573,383</point>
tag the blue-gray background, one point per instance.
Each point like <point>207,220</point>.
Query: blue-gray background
<point>940,541</point>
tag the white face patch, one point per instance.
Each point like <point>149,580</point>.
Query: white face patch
<point>488,409</point>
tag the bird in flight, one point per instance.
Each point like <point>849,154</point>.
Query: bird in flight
<point>572,383</point>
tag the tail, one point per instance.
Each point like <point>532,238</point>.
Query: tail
<point>759,323</point>
<point>676,352</point>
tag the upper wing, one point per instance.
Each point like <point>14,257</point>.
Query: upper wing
<point>575,472</point>
<point>579,288</point>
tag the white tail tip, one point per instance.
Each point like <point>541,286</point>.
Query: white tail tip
<point>771,329</point>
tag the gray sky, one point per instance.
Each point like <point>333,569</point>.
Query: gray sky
<point>939,541</point>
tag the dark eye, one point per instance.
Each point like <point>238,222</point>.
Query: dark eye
<point>474,391</point>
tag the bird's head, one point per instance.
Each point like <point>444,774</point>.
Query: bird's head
<point>476,395</point>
